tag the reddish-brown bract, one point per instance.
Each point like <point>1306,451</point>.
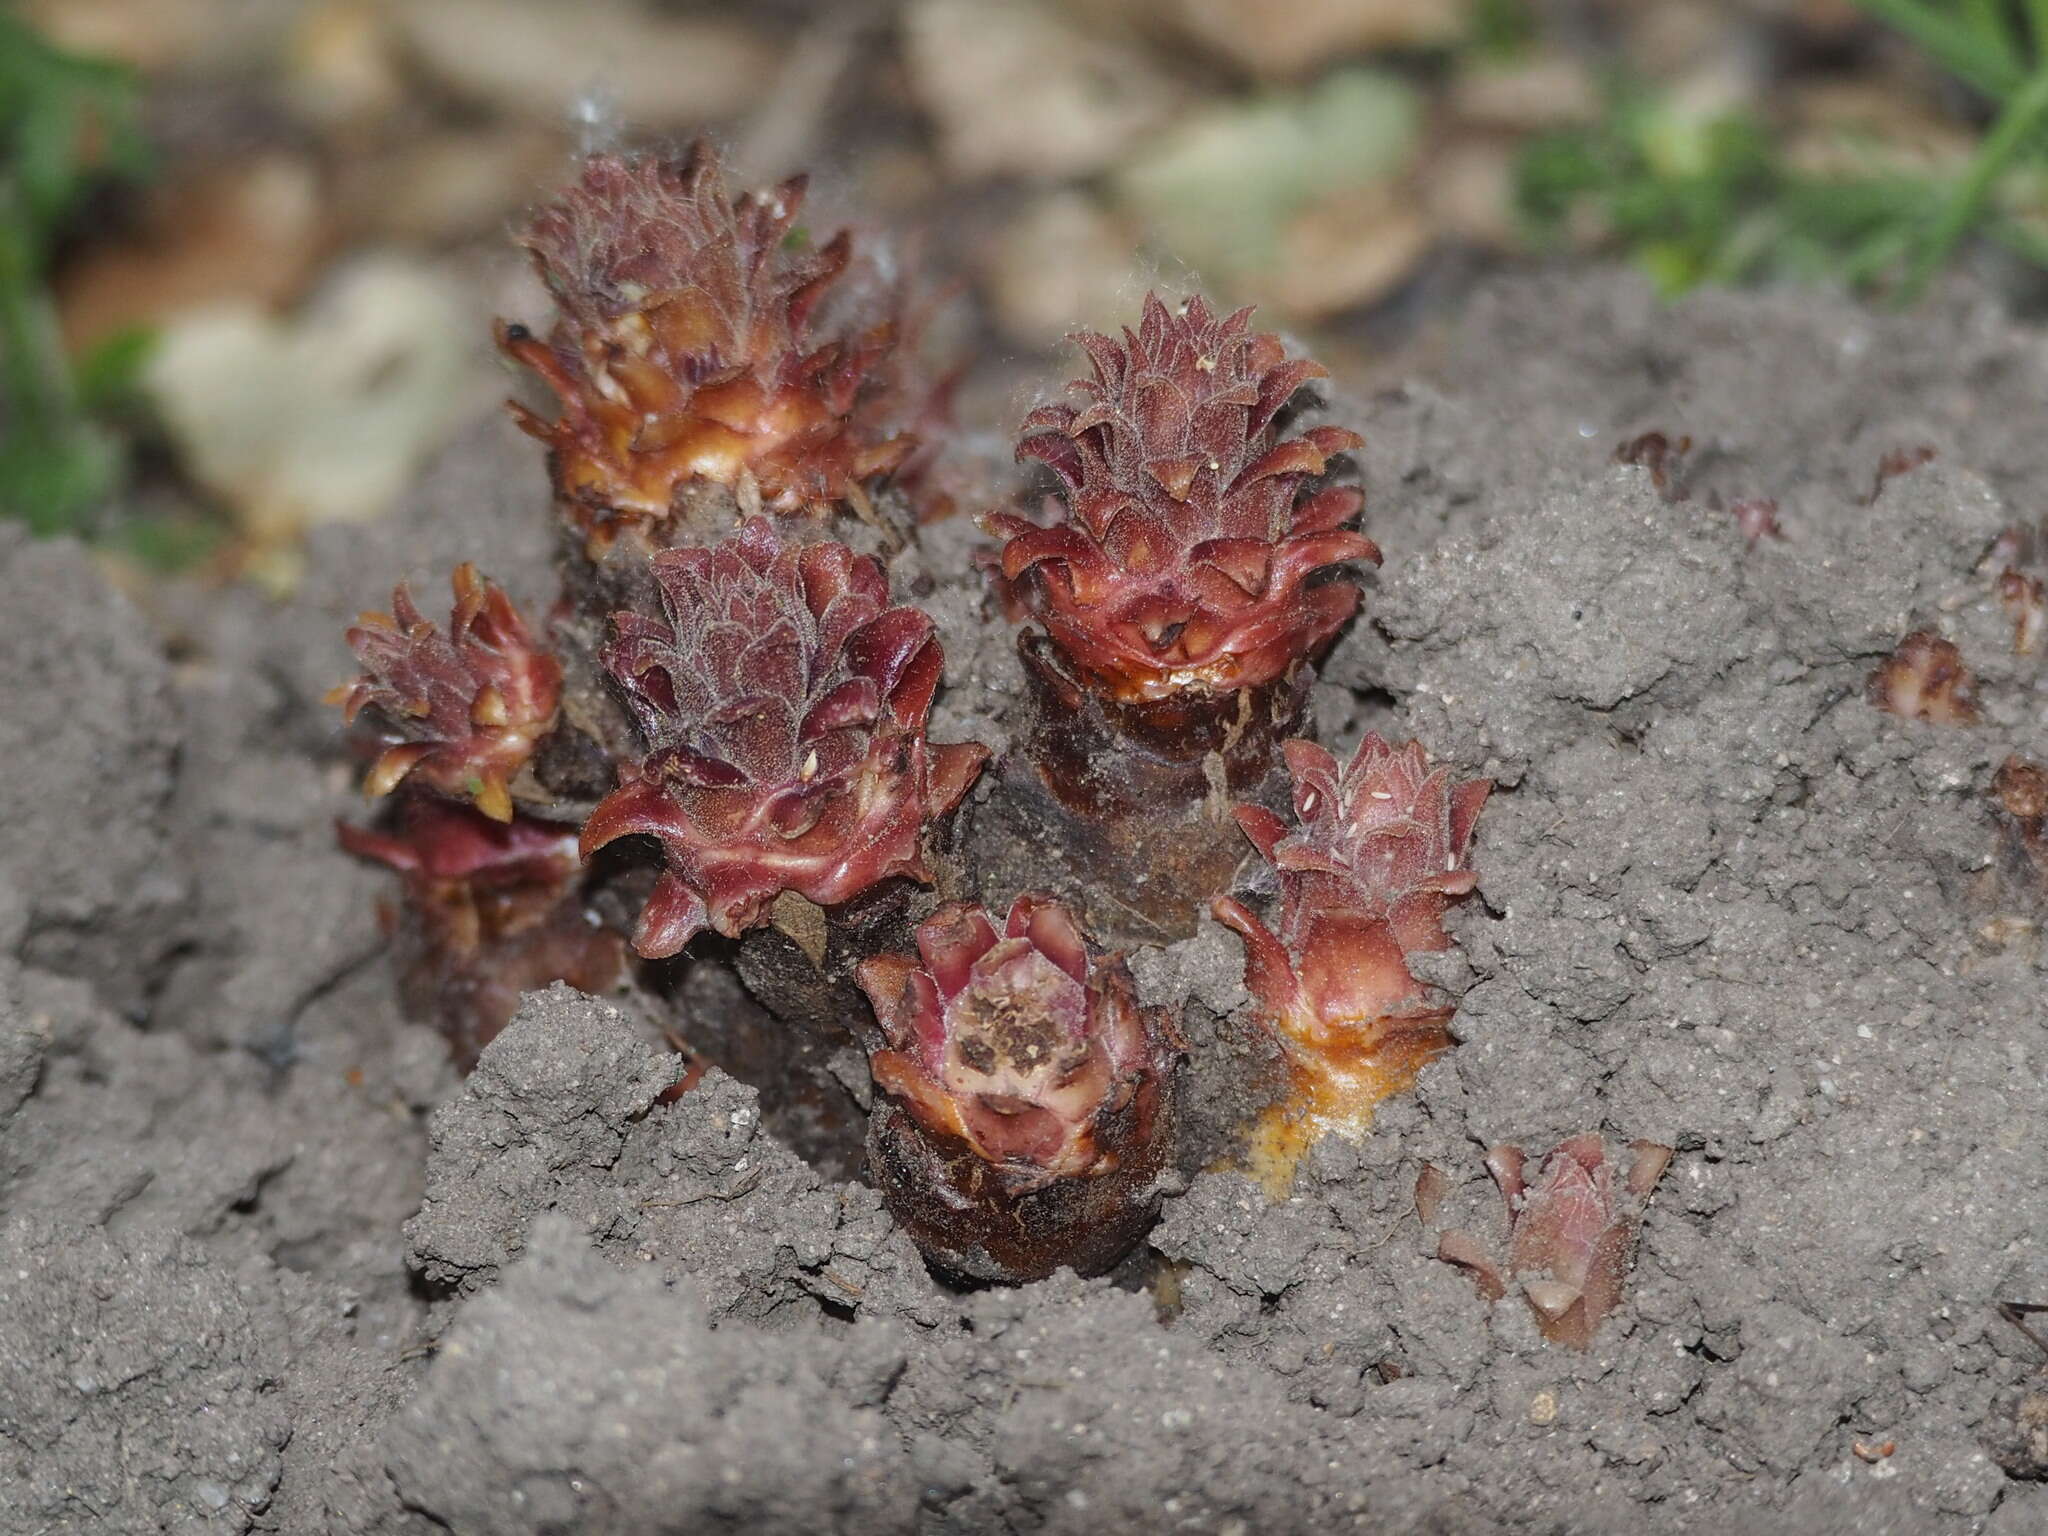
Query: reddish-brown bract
<point>690,346</point>
<point>1181,554</point>
<point>1572,1235</point>
<point>495,910</point>
<point>783,705</point>
<point>1376,853</point>
<point>1030,1097</point>
<point>1925,679</point>
<point>467,707</point>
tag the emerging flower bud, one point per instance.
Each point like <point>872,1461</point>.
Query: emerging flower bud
<point>783,704</point>
<point>690,346</point>
<point>1572,1236</point>
<point>1375,855</point>
<point>1030,1099</point>
<point>1182,554</point>
<point>1925,679</point>
<point>466,708</point>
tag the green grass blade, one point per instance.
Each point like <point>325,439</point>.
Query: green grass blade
<point>1972,56</point>
<point>2018,123</point>
<point>1998,28</point>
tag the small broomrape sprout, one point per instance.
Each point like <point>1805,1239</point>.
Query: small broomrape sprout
<point>496,912</point>
<point>1894,462</point>
<point>689,346</point>
<point>1376,853</point>
<point>1663,457</point>
<point>1572,1234</point>
<point>1756,517</point>
<point>2025,600</point>
<point>1925,679</point>
<point>2011,548</point>
<point>467,707</point>
<point>1182,553</point>
<point>783,704</point>
<point>2020,790</point>
<point>1029,1100</point>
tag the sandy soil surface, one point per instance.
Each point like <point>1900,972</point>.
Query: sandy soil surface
<point>266,1263</point>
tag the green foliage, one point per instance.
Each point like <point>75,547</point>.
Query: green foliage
<point>65,123</point>
<point>1501,29</point>
<point>2001,50</point>
<point>1984,43</point>
<point>1715,200</point>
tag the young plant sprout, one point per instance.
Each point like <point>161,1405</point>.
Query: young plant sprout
<point>465,708</point>
<point>1179,557</point>
<point>698,341</point>
<point>783,704</point>
<point>1373,856</point>
<point>1029,1101</point>
<point>2025,600</point>
<point>1183,577</point>
<point>1925,679</point>
<point>1571,1234</point>
<point>1757,519</point>
<point>2020,790</point>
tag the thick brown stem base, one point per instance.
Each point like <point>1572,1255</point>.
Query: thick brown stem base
<point>1123,810</point>
<point>978,1221</point>
<point>800,964</point>
<point>575,762</point>
<point>802,1022</point>
<point>805,1104</point>
<point>465,957</point>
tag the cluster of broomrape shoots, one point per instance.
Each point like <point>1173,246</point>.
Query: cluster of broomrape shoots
<point>722,726</point>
